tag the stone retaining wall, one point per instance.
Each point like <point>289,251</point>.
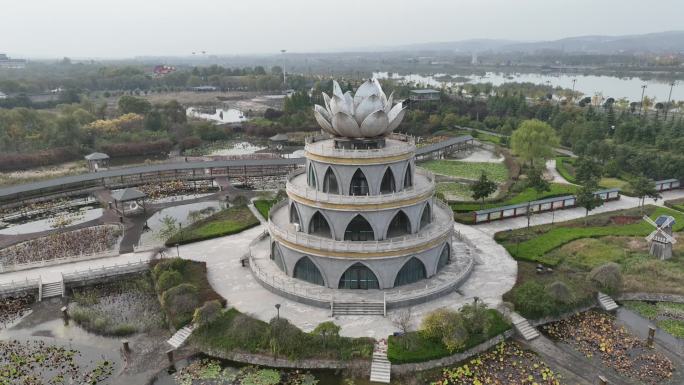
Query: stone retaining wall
<point>453,359</point>
<point>656,297</point>
<point>263,360</point>
<point>549,319</point>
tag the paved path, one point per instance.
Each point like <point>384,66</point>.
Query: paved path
<point>553,172</point>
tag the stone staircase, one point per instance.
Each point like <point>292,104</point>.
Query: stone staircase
<point>381,368</point>
<point>606,303</point>
<point>523,327</point>
<point>178,339</point>
<point>52,289</point>
<point>358,308</point>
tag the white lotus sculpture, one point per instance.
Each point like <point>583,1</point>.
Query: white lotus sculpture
<point>367,114</point>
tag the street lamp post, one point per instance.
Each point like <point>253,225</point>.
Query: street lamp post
<point>669,98</point>
<point>641,106</point>
<point>277,306</point>
<point>282,51</point>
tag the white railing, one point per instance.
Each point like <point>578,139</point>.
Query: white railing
<point>435,231</point>
<point>305,191</point>
<point>13,287</point>
<point>394,147</point>
<point>106,271</point>
<point>288,285</point>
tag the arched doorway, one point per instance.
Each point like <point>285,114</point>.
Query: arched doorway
<point>358,276</point>
<point>412,271</point>
<point>319,226</point>
<point>311,177</point>
<point>399,226</point>
<point>426,216</point>
<point>359,184</point>
<point>387,186</point>
<point>277,256</point>
<point>294,214</point>
<point>307,271</point>
<point>444,258</point>
<point>408,177</point>
<point>359,230</point>
<point>330,182</point>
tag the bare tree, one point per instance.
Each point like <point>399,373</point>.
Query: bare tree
<point>402,319</point>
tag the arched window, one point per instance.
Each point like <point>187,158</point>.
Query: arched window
<point>411,272</point>
<point>294,215</point>
<point>319,226</point>
<point>399,226</point>
<point>330,182</point>
<point>426,217</point>
<point>311,177</point>
<point>359,230</point>
<point>359,184</point>
<point>387,185</point>
<point>277,256</point>
<point>358,276</point>
<point>408,177</point>
<point>307,271</point>
<point>444,258</point>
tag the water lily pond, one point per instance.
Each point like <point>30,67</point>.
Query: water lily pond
<point>180,214</point>
<point>63,219</point>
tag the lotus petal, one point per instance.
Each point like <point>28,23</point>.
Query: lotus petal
<point>349,99</point>
<point>346,125</point>
<point>326,99</point>
<point>338,104</point>
<point>388,104</point>
<point>324,119</point>
<point>378,89</point>
<point>337,90</point>
<point>365,90</point>
<point>375,124</point>
<point>395,117</point>
<point>367,106</point>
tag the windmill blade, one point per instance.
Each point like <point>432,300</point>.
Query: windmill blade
<point>669,237</point>
<point>649,220</point>
<point>650,236</point>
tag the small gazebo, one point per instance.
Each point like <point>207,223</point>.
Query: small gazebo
<point>97,161</point>
<point>129,200</point>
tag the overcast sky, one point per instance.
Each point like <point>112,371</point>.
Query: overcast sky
<point>126,28</point>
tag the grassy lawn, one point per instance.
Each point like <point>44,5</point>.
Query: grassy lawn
<point>468,170</point>
<point>225,222</point>
<point>461,191</point>
<point>668,316</point>
<point>528,194</point>
<point>677,204</point>
<point>566,168</point>
<point>535,244</point>
<point>234,331</point>
<point>413,347</point>
<point>264,206</point>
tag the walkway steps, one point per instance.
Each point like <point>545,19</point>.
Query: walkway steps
<point>52,289</point>
<point>606,303</point>
<point>523,327</point>
<point>178,339</point>
<point>381,368</point>
<point>358,308</point>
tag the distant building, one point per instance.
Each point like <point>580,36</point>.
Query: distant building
<point>3,95</point>
<point>424,95</point>
<point>97,161</point>
<point>204,89</point>
<point>474,60</point>
<point>163,69</point>
<point>7,62</point>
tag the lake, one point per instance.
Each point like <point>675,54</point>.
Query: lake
<point>589,85</point>
<point>219,116</point>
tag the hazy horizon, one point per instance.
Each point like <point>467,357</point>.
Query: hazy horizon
<point>126,29</point>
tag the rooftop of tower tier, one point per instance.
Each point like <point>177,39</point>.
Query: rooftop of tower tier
<point>369,113</point>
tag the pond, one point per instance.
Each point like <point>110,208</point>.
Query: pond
<point>217,115</point>
<point>64,219</point>
<point>589,85</point>
<point>179,213</point>
<point>239,148</point>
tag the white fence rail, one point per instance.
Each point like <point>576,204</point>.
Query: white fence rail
<point>19,286</point>
<point>106,271</point>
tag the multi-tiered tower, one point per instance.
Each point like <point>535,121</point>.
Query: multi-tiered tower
<point>361,215</point>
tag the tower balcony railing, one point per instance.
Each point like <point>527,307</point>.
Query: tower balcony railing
<point>396,144</point>
<point>441,226</point>
<point>424,184</point>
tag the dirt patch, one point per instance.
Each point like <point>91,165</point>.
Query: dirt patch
<point>624,220</point>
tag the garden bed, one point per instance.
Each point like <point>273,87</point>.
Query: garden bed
<point>496,172</point>
<point>526,195</point>
<point>13,308</point>
<point>596,334</point>
<point>225,222</point>
<point>264,206</point>
<point>668,316</point>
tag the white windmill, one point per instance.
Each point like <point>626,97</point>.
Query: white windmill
<point>661,240</point>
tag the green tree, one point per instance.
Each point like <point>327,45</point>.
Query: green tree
<point>643,187</point>
<point>482,188</point>
<point>587,169</point>
<point>587,198</point>
<point>133,105</point>
<point>537,182</point>
<point>534,140</point>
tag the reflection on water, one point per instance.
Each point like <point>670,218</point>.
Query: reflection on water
<point>74,218</point>
<point>179,213</point>
<point>219,115</point>
<point>609,86</point>
<point>240,148</point>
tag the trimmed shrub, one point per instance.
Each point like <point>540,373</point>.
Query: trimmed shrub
<point>532,300</point>
<point>169,279</point>
<point>176,264</point>
<point>180,302</point>
<point>207,313</point>
<point>606,277</point>
<point>560,292</point>
<point>447,326</point>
